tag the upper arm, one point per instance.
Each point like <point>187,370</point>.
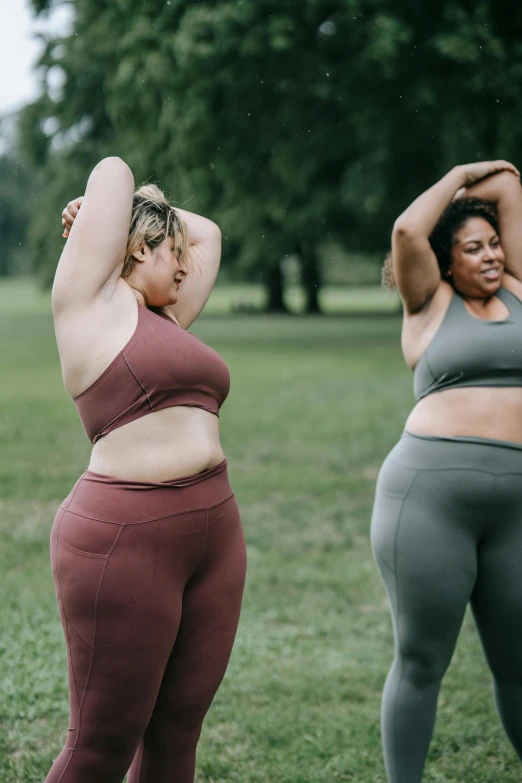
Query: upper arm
<point>510,218</point>
<point>204,256</point>
<point>95,250</point>
<point>415,267</point>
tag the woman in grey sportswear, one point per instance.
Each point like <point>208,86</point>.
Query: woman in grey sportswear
<point>447,520</point>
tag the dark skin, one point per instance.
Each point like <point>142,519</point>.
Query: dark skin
<point>478,263</point>
<point>481,264</point>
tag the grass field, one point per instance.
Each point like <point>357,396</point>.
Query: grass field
<point>316,403</point>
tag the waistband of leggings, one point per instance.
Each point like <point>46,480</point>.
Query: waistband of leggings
<point>111,499</point>
<point>183,481</point>
<point>425,452</point>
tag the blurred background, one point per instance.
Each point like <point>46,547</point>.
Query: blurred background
<point>303,128</point>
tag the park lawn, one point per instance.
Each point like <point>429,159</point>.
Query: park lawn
<point>228,298</point>
<point>315,405</point>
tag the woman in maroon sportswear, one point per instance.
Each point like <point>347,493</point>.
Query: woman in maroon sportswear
<point>147,550</point>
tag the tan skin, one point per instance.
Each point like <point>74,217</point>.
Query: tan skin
<point>96,311</point>
<point>481,264</point>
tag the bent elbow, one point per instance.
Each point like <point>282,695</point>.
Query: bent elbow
<point>401,230</point>
<point>114,166</point>
<point>215,231</point>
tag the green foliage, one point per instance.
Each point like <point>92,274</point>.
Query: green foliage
<point>293,123</point>
<point>16,185</point>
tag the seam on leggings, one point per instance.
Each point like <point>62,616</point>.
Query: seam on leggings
<point>69,622</point>
<point>80,551</point>
<point>66,628</point>
<point>509,473</point>
<point>396,578</point>
<point>152,519</point>
<point>448,467</point>
<point>80,704</point>
<point>95,622</point>
<point>217,505</point>
<point>76,631</point>
<point>71,495</point>
<point>68,644</point>
<point>202,548</point>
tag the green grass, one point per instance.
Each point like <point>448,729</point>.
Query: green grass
<point>315,406</point>
<point>21,296</point>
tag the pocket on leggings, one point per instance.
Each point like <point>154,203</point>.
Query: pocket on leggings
<point>395,479</point>
<point>88,537</point>
<point>393,485</point>
<point>78,576</point>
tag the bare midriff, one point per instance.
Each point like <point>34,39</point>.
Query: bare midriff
<point>161,446</point>
<point>483,412</point>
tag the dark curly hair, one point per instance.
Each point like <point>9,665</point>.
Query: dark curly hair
<point>442,238</point>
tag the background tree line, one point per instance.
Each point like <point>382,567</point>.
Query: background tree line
<point>295,124</point>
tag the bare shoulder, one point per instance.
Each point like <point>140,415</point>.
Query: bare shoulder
<point>90,336</point>
<point>419,329</point>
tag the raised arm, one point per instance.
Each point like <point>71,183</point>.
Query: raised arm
<point>504,189</point>
<point>414,263</point>
<point>415,266</point>
<point>93,256</point>
<point>204,255</point>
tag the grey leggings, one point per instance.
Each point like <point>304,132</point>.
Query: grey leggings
<point>447,530</point>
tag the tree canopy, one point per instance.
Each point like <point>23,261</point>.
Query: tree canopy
<point>290,122</point>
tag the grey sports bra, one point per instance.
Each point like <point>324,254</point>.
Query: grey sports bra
<point>469,351</point>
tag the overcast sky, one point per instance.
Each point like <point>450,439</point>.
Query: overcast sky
<point>19,51</point>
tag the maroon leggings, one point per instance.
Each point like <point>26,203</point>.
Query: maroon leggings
<point>149,579</point>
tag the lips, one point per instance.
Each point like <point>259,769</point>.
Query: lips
<point>492,273</point>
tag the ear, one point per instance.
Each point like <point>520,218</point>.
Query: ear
<point>141,253</point>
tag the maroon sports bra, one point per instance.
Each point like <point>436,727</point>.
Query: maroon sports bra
<point>161,366</point>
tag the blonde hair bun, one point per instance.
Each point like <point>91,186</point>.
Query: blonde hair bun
<point>151,192</point>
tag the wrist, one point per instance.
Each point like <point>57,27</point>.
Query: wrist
<point>458,177</point>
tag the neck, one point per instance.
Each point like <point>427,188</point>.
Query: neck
<point>139,296</point>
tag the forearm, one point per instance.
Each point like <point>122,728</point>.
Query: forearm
<point>200,229</point>
<point>423,214</point>
<point>495,188</point>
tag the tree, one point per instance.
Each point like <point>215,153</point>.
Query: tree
<point>15,198</point>
<point>290,122</point>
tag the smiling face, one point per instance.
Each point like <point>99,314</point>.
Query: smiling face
<point>477,259</point>
<point>158,273</point>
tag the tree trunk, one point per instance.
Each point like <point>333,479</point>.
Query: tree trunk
<point>310,278</point>
<point>275,290</point>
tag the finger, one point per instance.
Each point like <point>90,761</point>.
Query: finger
<point>67,218</point>
<point>73,207</point>
<point>65,233</point>
<point>505,164</point>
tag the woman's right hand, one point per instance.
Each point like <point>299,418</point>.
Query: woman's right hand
<point>474,172</point>
<point>69,215</point>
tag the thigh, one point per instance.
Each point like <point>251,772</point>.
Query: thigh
<point>209,620</point>
<point>497,598</point>
<point>424,531</point>
<point>120,605</point>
